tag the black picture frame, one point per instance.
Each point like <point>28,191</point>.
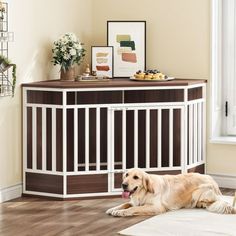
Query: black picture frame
<point>129,55</point>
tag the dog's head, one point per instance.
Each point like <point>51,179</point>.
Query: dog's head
<point>135,180</point>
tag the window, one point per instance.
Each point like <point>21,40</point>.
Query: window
<point>223,82</point>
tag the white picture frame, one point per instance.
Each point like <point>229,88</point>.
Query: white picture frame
<point>102,60</point>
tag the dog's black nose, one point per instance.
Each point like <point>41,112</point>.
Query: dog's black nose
<point>124,186</point>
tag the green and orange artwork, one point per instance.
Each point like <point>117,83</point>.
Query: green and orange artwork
<point>126,48</point>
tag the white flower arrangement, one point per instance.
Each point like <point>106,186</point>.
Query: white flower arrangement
<point>67,51</point>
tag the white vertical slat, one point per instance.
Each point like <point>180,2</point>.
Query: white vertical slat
<point>124,140</point>
<point>86,139</point>
<point>135,138</point>
<point>109,156</point>
<point>171,137</point>
<point>112,148</point>
<point>75,140</point>
<point>185,133</point>
<point>44,138</point>
<point>159,137</point>
<point>98,139</point>
<point>34,137</point>
<point>54,120</point>
<point>199,131</point>
<point>195,140</point>
<point>24,137</point>
<point>147,138</point>
<point>204,126</point>
<point>190,134</point>
<point>64,141</point>
<point>183,138</point>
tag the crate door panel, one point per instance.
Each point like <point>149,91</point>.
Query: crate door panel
<point>147,138</point>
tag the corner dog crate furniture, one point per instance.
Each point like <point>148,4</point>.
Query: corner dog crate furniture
<point>79,137</point>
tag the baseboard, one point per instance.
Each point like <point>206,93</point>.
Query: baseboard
<point>225,181</point>
<point>10,193</point>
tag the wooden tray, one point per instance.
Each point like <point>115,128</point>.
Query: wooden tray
<point>92,79</point>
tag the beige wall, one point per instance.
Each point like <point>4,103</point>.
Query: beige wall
<point>178,43</point>
<point>36,25</point>
<point>177,32</point>
<point>221,159</point>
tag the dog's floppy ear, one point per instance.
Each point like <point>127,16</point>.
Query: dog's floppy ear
<point>147,183</point>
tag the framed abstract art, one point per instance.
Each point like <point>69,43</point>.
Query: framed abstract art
<point>102,60</point>
<point>128,39</point>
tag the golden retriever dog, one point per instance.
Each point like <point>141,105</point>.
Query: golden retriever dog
<point>155,194</point>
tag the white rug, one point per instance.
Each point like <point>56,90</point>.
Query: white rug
<point>186,222</point>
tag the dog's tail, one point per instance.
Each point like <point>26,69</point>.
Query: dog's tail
<point>223,207</point>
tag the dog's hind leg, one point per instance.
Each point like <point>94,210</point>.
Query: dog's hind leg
<point>203,196</point>
<point>221,207</point>
<point>206,197</point>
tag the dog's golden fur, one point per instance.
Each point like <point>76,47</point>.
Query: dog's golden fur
<point>156,194</point>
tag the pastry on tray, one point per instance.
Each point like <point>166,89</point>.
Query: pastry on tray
<point>150,75</point>
<point>139,75</point>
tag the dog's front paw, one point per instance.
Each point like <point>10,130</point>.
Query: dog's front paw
<point>109,211</point>
<point>121,213</point>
